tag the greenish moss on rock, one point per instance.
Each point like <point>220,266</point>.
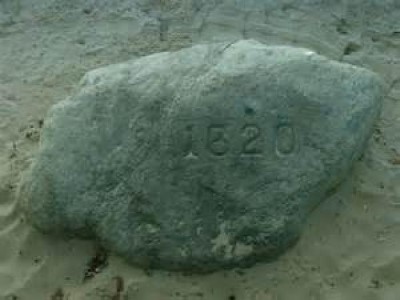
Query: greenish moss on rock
<point>207,158</point>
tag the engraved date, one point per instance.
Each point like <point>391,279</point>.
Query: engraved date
<point>248,140</point>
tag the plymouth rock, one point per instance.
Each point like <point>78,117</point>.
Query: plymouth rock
<point>207,158</point>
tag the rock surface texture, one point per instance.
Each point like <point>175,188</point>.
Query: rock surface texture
<point>206,158</point>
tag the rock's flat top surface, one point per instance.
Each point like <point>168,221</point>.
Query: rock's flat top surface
<point>206,158</point>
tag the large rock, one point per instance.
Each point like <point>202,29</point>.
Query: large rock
<point>207,158</point>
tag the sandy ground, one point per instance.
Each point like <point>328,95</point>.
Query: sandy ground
<point>350,248</point>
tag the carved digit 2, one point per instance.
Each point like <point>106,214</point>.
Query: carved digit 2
<point>251,133</point>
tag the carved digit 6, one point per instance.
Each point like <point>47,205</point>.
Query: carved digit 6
<point>217,142</point>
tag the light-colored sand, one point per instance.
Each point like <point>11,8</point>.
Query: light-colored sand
<point>350,248</point>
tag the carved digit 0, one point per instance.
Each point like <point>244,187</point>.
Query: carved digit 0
<point>285,139</point>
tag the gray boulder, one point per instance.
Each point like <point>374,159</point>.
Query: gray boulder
<point>206,158</point>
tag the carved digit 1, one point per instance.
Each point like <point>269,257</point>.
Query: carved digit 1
<point>217,142</point>
<point>285,139</point>
<point>252,134</point>
<point>190,153</point>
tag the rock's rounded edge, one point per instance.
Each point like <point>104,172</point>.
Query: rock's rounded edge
<point>94,78</point>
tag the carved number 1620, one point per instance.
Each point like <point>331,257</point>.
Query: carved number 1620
<point>218,142</point>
